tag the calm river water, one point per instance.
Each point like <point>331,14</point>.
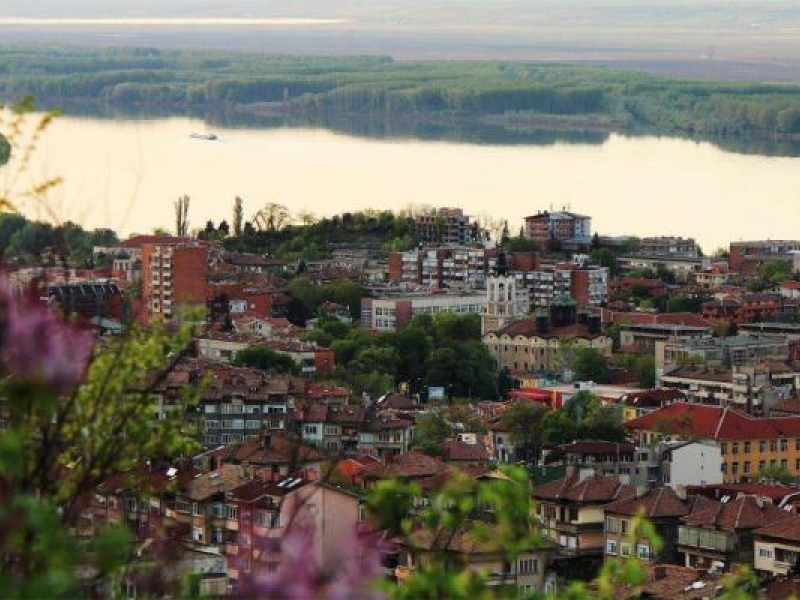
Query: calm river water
<point>126,175</point>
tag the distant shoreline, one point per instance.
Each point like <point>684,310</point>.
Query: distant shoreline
<point>165,21</point>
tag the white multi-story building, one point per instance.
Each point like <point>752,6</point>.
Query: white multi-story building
<point>392,313</point>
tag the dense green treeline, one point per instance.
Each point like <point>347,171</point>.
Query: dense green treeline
<point>319,90</point>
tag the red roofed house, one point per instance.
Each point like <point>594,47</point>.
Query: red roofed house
<point>571,511</point>
<point>747,443</point>
<point>777,546</point>
<point>722,532</point>
<point>662,507</point>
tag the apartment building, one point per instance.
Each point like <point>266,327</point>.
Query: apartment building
<point>753,388</point>
<point>544,227</point>
<point>669,245</point>
<point>392,313</point>
<point>454,266</point>
<point>445,226</point>
<point>743,308</point>
<point>174,274</point>
<point>747,258</point>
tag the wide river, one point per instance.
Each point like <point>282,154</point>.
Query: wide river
<point>127,174</point>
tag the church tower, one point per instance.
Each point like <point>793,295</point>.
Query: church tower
<point>504,304</point>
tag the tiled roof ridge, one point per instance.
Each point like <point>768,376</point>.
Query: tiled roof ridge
<point>738,519</point>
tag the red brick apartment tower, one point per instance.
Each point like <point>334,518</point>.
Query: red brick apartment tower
<point>174,275</point>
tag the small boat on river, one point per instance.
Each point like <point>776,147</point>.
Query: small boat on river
<point>204,136</point>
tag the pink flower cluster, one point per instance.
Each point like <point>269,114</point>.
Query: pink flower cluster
<point>298,576</point>
<point>38,347</point>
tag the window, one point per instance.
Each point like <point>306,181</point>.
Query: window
<point>623,526</point>
<point>735,448</point>
<point>625,549</point>
<point>723,448</point>
<point>528,566</point>
<point>218,536</point>
<point>196,510</point>
<point>643,551</point>
<point>747,466</point>
<point>573,514</point>
<point>761,465</point>
<point>784,445</point>
<point>735,468</point>
<point>197,534</point>
<point>210,408</point>
<point>784,463</point>
<point>762,446</point>
<point>611,525</point>
<point>218,510</point>
<point>764,552</point>
<point>182,506</point>
<point>773,445</point>
<point>231,512</point>
<point>747,447</point>
<point>724,467</point>
<point>310,430</point>
<point>611,547</point>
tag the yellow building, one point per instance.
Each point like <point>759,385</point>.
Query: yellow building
<point>748,444</point>
<point>531,345</point>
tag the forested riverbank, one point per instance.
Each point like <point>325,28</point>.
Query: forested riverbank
<point>377,96</point>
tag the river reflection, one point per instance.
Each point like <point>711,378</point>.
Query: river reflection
<point>126,174</point>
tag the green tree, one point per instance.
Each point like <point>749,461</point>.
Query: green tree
<point>524,422</point>
<point>10,223</point>
<point>606,258</point>
<point>590,364</point>
<point>430,432</point>
<point>778,473</point>
<point>520,244</point>
<point>266,359</point>
<point>182,215</point>
<point>238,216</point>
<point>776,270</point>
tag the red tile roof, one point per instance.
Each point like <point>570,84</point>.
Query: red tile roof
<point>411,464</point>
<point>713,422</point>
<point>594,489</point>
<point>786,528</point>
<point>456,450</point>
<point>744,512</point>
<point>137,241</point>
<point>656,503</point>
<point>529,328</point>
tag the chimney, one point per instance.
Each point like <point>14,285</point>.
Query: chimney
<point>680,492</point>
<point>267,441</point>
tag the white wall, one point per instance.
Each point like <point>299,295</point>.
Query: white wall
<point>696,464</point>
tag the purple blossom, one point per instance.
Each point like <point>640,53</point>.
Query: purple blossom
<point>37,346</point>
<point>300,577</point>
